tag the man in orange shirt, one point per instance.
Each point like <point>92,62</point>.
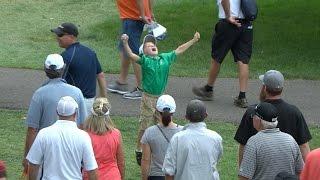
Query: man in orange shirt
<point>133,14</point>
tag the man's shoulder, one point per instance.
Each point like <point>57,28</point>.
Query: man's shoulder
<point>47,131</point>
<point>255,138</point>
<point>181,134</point>
<point>213,134</point>
<point>284,104</point>
<point>78,47</point>
<point>151,130</point>
<point>169,54</point>
<point>289,110</point>
<point>70,88</point>
<point>83,136</point>
<point>286,136</point>
<point>85,48</point>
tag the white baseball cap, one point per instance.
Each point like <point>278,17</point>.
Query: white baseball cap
<point>54,62</point>
<point>67,106</point>
<point>166,101</point>
<point>147,38</point>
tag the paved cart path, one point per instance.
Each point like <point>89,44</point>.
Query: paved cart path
<point>18,85</point>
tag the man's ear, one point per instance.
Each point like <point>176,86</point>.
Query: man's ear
<point>264,88</point>
<point>206,115</point>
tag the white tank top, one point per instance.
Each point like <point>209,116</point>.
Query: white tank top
<point>235,9</point>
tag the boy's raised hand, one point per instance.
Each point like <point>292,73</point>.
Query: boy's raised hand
<point>124,38</point>
<point>196,36</point>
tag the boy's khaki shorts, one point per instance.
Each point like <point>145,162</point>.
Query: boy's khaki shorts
<point>148,114</point>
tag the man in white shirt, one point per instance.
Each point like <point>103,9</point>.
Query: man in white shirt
<point>232,32</point>
<point>62,148</point>
<point>194,152</point>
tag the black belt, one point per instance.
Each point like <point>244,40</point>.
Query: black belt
<point>242,21</point>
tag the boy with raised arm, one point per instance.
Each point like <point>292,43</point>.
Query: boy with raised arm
<point>155,71</point>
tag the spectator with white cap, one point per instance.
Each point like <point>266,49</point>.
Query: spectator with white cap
<point>290,118</point>
<point>270,151</point>
<point>42,109</point>
<point>155,139</point>
<point>194,152</point>
<point>62,148</point>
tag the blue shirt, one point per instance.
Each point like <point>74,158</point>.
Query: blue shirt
<point>43,106</point>
<point>83,68</point>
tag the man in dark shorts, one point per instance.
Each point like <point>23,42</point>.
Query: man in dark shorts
<point>232,32</point>
<point>290,119</point>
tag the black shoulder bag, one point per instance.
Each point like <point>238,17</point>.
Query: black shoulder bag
<point>67,66</point>
<point>249,9</point>
<point>163,134</point>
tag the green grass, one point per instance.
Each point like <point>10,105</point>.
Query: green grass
<point>12,137</point>
<point>286,34</point>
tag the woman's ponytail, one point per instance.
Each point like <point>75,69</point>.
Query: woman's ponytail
<point>166,117</point>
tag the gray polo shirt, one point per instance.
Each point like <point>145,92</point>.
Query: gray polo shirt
<point>158,145</point>
<point>42,110</point>
<point>269,152</point>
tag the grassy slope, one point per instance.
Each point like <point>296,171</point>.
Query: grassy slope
<point>12,137</point>
<point>286,34</point>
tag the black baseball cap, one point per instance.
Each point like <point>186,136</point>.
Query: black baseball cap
<point>66,28</point>
<point>266,112</point>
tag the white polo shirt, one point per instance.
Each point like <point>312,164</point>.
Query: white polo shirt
<point>60,149</point>
<point>235,9</point>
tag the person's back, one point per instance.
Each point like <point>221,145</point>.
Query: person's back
<point>106,142</point>
<point>105,151</point>
<point>270,151</point>
<point>194,152</point>
<point>275,152</point>
<point>157,140</point>
<point>64,146</point>
<point>83,67</point>
<point>199,152</point>
<point>42,110</point>
<point>61,149</point>
<point>291,121</point>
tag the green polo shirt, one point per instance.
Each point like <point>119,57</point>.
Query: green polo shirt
<point>155,72</point>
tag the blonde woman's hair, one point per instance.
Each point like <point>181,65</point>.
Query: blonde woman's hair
<point>99,122</point>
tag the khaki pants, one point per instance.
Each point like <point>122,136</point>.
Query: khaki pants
<point>148,114</point>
